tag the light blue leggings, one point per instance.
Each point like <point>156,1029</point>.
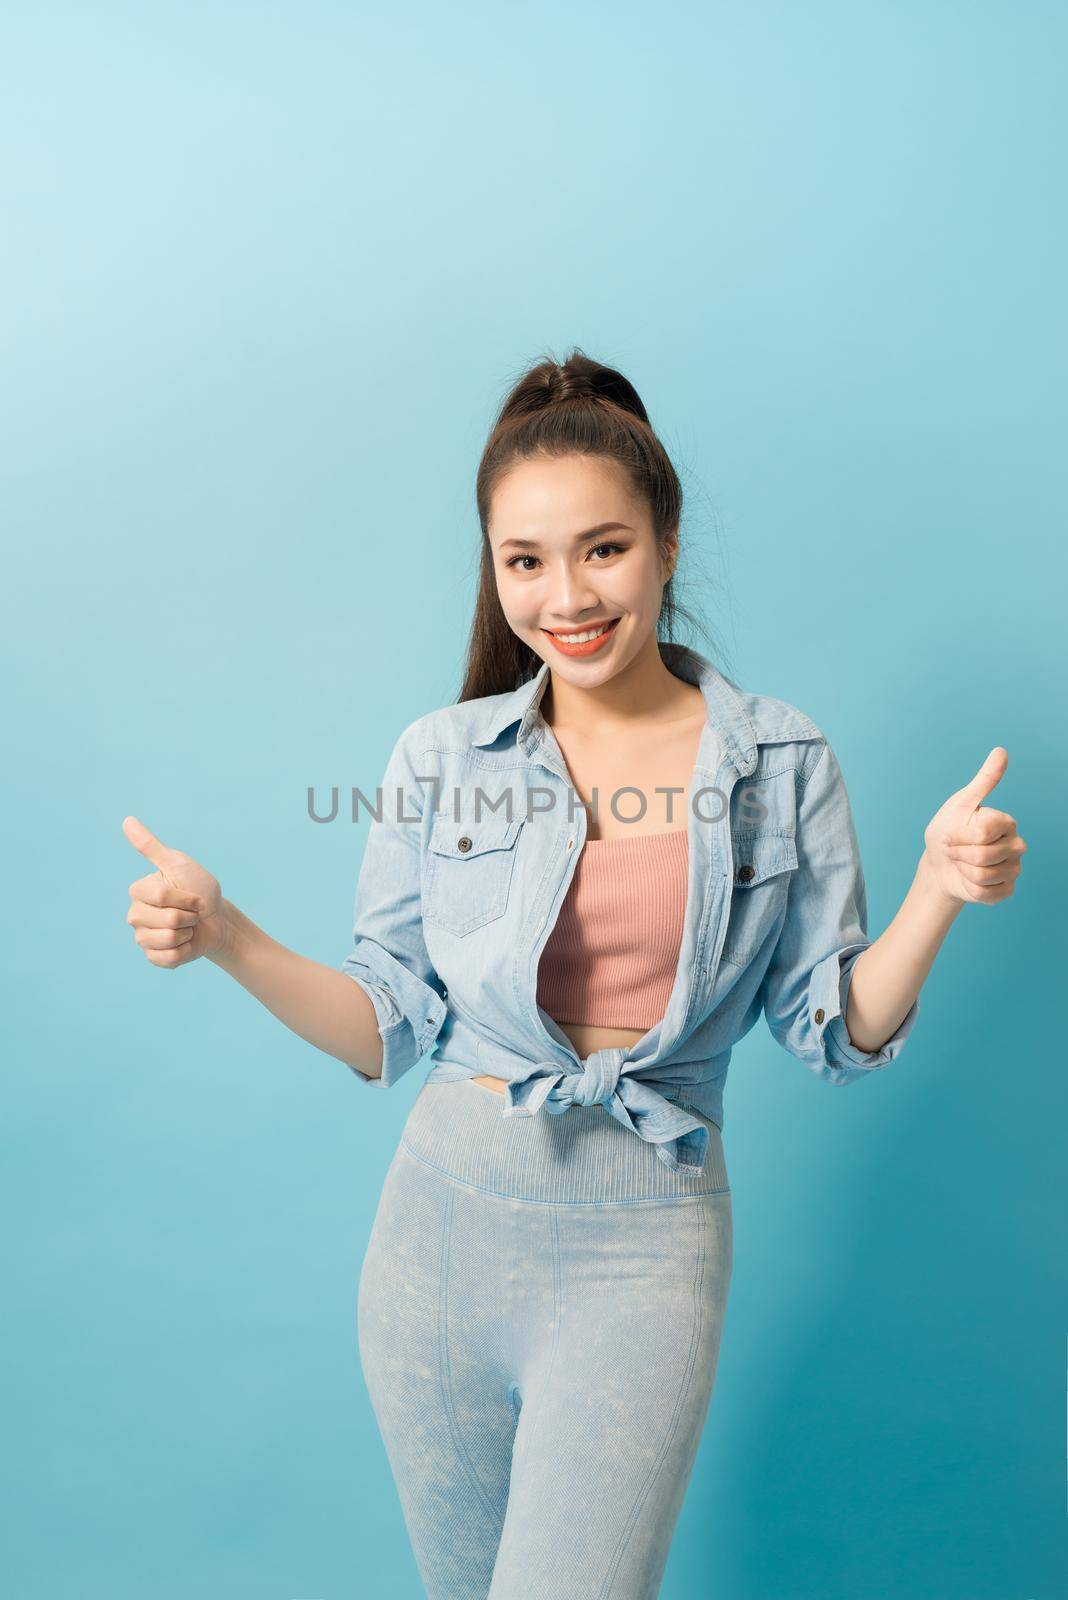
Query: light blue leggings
<point>539,1313</point>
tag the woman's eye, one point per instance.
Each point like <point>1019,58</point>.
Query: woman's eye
<point>515,560</point>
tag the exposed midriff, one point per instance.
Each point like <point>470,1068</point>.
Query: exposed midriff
<point>586,1038</point>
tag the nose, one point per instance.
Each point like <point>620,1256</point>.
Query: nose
<point>572,595</point>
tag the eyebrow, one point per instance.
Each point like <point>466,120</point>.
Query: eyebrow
<point>602,527</point>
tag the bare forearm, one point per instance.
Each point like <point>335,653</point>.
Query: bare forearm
<point>890,974</point>
<point>321,1004</point>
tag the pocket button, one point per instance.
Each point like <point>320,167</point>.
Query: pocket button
<point>463,844</point>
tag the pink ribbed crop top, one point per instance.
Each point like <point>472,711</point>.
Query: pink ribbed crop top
<point>613,953</point>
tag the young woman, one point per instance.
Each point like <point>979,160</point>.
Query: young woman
<point>581,887</point>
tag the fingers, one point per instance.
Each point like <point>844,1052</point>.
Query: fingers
<point>986,825</point>
<point>990,877</point>
<point>993,895</point>
<point>990,773</point>
<point>144,841</point>
<point>155,890</point>
<point>164,931</point>
<point>177,957</point>
<point>990,865</point>
<point>163,938</point>
<point>142,914</point>
<point>164,917</point>
<point>987,855</point>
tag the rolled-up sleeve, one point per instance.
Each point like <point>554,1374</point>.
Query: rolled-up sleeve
<point>389,959</point>
<point>824,934</point>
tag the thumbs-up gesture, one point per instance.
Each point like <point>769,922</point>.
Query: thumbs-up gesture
<point>974,851</point>
<point>176,911</point>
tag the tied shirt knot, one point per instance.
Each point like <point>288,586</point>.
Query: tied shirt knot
<point>681,1140</point>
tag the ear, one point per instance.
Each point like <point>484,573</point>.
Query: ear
<point>669,552</point>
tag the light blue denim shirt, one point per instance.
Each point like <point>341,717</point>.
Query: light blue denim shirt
<point>474,835</point>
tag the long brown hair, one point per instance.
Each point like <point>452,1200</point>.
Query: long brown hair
<point>573,407</point>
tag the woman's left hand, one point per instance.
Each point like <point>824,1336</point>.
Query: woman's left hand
<point>974,852</point>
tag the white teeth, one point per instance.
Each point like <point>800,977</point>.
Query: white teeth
<point>582,638</point>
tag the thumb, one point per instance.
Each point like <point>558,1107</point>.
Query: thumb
<point>150,847</point>
<point>990,773</point>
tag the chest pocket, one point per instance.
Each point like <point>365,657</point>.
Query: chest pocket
<point>469,868</point>
<point>763,862</point>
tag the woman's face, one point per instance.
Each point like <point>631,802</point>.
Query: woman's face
<point>574,549</point>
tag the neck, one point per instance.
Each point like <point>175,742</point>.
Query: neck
<point>643,690</point>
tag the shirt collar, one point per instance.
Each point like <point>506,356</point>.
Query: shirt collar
<point>724,705</point>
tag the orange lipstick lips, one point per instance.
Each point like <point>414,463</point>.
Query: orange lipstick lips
<point>589,647</point>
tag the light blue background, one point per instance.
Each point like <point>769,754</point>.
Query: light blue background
<point>266,273</point>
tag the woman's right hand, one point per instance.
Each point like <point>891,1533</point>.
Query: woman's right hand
<point>177,911</point>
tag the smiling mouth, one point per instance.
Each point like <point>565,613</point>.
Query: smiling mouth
<point>581,635</point>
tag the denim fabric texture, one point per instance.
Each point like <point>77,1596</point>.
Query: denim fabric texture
<point>523,1282</point>
<point>470,856</point>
